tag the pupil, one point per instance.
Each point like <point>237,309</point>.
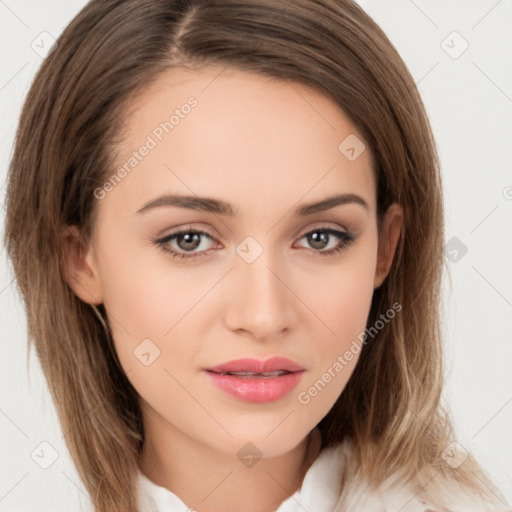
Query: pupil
<point>316,236</point>
<point>189,238</point>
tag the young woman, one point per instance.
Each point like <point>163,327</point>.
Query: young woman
<point>226,222</point>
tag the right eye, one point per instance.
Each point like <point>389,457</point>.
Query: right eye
<point>182,242</point>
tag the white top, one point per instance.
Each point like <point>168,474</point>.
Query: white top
<point>321,485</point>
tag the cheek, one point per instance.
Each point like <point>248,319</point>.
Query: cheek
<point>150,321</point>
<point>342,297</point>
<point>146,303</point>
<point>348,313</point>
<point>342,294</point>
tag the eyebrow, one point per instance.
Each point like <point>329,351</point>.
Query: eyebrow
<point>216,206</point>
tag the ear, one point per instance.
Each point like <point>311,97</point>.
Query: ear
<point>80,267</point>
<point>388,241</point>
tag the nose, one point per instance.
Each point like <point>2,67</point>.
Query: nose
<point>260,300</point>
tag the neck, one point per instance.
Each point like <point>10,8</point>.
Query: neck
<point>209,481</point>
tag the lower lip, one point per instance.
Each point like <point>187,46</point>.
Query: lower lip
<point>258,390</point>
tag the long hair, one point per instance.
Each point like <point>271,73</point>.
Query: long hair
<point>70,124</point>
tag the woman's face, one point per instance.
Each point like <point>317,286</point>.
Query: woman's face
<point>258,272</point>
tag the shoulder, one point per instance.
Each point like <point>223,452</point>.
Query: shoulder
<point>393,494</point>
<point>454,497</point>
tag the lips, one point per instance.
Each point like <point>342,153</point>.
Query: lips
<point>256,381</point>
<point>272,367</point>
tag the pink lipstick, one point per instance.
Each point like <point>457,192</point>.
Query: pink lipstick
<point>256,381</point>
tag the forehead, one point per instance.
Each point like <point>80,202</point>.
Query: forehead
<point>239,136</point>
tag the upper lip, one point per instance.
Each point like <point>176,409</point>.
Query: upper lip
<point>257,365</point>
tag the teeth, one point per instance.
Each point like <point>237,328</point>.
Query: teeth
<point>276,373</point>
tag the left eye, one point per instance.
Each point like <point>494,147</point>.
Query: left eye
<point>181,242</point>
<point>319,239</point>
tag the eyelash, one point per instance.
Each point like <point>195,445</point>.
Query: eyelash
<point>346,239</point>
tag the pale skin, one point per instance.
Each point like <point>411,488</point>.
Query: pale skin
<point>266,148</point>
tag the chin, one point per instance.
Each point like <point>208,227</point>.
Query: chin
<point>265,441</point>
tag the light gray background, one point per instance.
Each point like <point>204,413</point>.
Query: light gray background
<point>469,101</point>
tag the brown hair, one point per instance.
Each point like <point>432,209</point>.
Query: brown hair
<point>69,127</point>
